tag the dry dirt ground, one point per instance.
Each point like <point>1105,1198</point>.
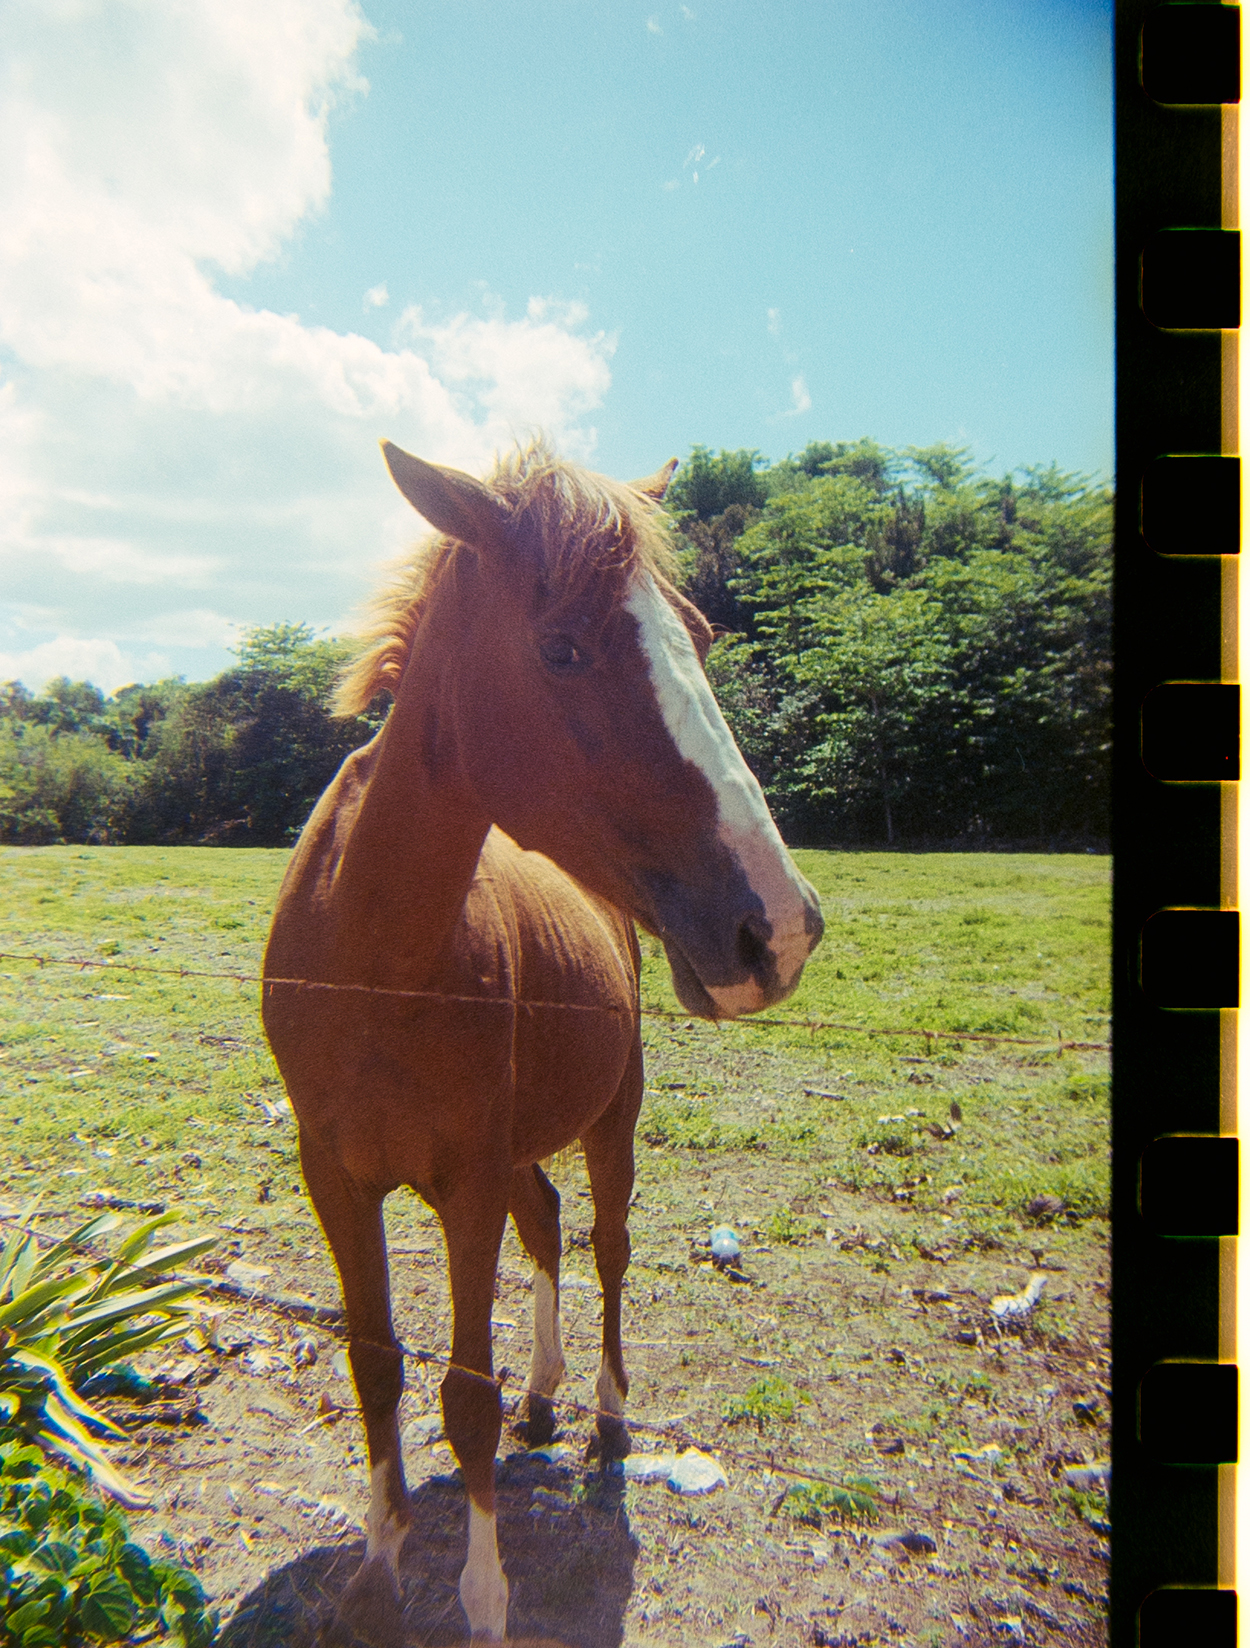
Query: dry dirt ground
<point>867,1311</point>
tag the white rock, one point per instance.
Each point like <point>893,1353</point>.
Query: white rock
<point>696,1473</point>
<point>650,1467</point>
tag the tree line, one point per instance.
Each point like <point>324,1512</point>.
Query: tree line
<point>910,652</point>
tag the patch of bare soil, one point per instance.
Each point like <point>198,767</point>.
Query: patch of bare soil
<point>873,1314</point>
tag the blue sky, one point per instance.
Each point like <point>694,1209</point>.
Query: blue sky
<point>241,243</point>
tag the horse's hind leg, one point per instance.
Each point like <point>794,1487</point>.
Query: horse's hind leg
<point>534,1203</point>
<point>609,1147</point>
<point>351,1216</point>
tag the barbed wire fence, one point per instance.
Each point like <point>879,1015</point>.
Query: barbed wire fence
<point>782,1462</point>
<point>82,963</point>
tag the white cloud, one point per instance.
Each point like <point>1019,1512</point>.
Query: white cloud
<point>653,25</point>
<point>100,661</point>
<point>799,395</point>
<point>157,436</point>
<point>774,323</point>
<point>527,374</point>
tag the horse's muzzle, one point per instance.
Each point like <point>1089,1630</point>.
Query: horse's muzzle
<point>729,961</point>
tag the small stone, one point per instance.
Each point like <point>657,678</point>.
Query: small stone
<point>247,1276</point>
<point>696,1473</point>
<point>913,1543</point>
<point>650,1467</point>
<point>426,1428</point>
<point>1088,1478</point>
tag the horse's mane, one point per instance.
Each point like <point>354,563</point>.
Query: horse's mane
<point>574,523</point>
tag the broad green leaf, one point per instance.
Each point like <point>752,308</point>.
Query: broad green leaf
<point>165,1258</point>
<point>15,1241</point>
<point>117,1347</point>
<point>135,1566</point>
<point>105,1476</point>
<point>107,1609</point>
<point>30,1613</point>
<point>60,1382</point>
<point>56,1557</point>
<point>23,1265</point>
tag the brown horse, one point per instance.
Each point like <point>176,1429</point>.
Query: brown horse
<point>452,976</point>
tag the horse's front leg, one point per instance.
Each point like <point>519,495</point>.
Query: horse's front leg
<point>473,1218</point>
<point>351,1217</point>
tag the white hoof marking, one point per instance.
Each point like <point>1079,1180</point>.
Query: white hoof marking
<point>547,1363</point>
<point>483,1588</point>
<point>386,1530</point>
<point>610,1396</point>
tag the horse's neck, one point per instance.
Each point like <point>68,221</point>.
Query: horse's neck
<point>416,833</point>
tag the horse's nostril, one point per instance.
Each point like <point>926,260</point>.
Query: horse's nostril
<point>752,949</point>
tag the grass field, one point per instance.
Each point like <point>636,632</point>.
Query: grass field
<point>875,1231</point>
<point>109,1074</point>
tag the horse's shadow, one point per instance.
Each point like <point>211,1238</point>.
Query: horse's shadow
<point>566,1547</point>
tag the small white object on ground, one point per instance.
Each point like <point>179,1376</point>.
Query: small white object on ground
<point>650,1467</point>
<point>339,1365</point>
<point>1014,1307</point>
<point>555,1453</point>
<point>696,1473</point>
<point>726,1248</point>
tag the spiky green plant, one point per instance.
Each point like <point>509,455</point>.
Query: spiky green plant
<point>66,1314</point>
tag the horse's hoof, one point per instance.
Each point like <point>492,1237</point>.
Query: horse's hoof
<point>614,1440</point>
<point>369,1614</point>
<point>539,1425</point>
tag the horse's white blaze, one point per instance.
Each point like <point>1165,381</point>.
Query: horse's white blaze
<point>608,1393</point>
<point>483,1588</point>
<point>386,1530</point>
<point>547,1362</point>
<point>744,823</point>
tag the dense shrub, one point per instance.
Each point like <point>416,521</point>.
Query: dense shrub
<point>70,1575</point>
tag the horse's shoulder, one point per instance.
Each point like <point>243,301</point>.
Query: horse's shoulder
<point>542,894</point>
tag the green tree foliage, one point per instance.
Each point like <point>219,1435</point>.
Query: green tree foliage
<point>920,651</point>
<point>912,650</point>
<point>59,787</point>
<point>242,759</point>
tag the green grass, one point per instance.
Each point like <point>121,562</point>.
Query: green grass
<point>1012,944</point>
<point>112,1079</point>
<point>153,1084</point>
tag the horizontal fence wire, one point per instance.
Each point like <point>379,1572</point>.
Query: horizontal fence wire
<point>785,1466</point>
<point>515,1002</point>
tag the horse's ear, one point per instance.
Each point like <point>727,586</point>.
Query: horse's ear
<point>655,486</point>
<point>449,499</point>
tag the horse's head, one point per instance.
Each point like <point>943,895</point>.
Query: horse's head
<point>583,722</point>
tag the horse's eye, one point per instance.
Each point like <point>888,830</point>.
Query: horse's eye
<point>561,655</point>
